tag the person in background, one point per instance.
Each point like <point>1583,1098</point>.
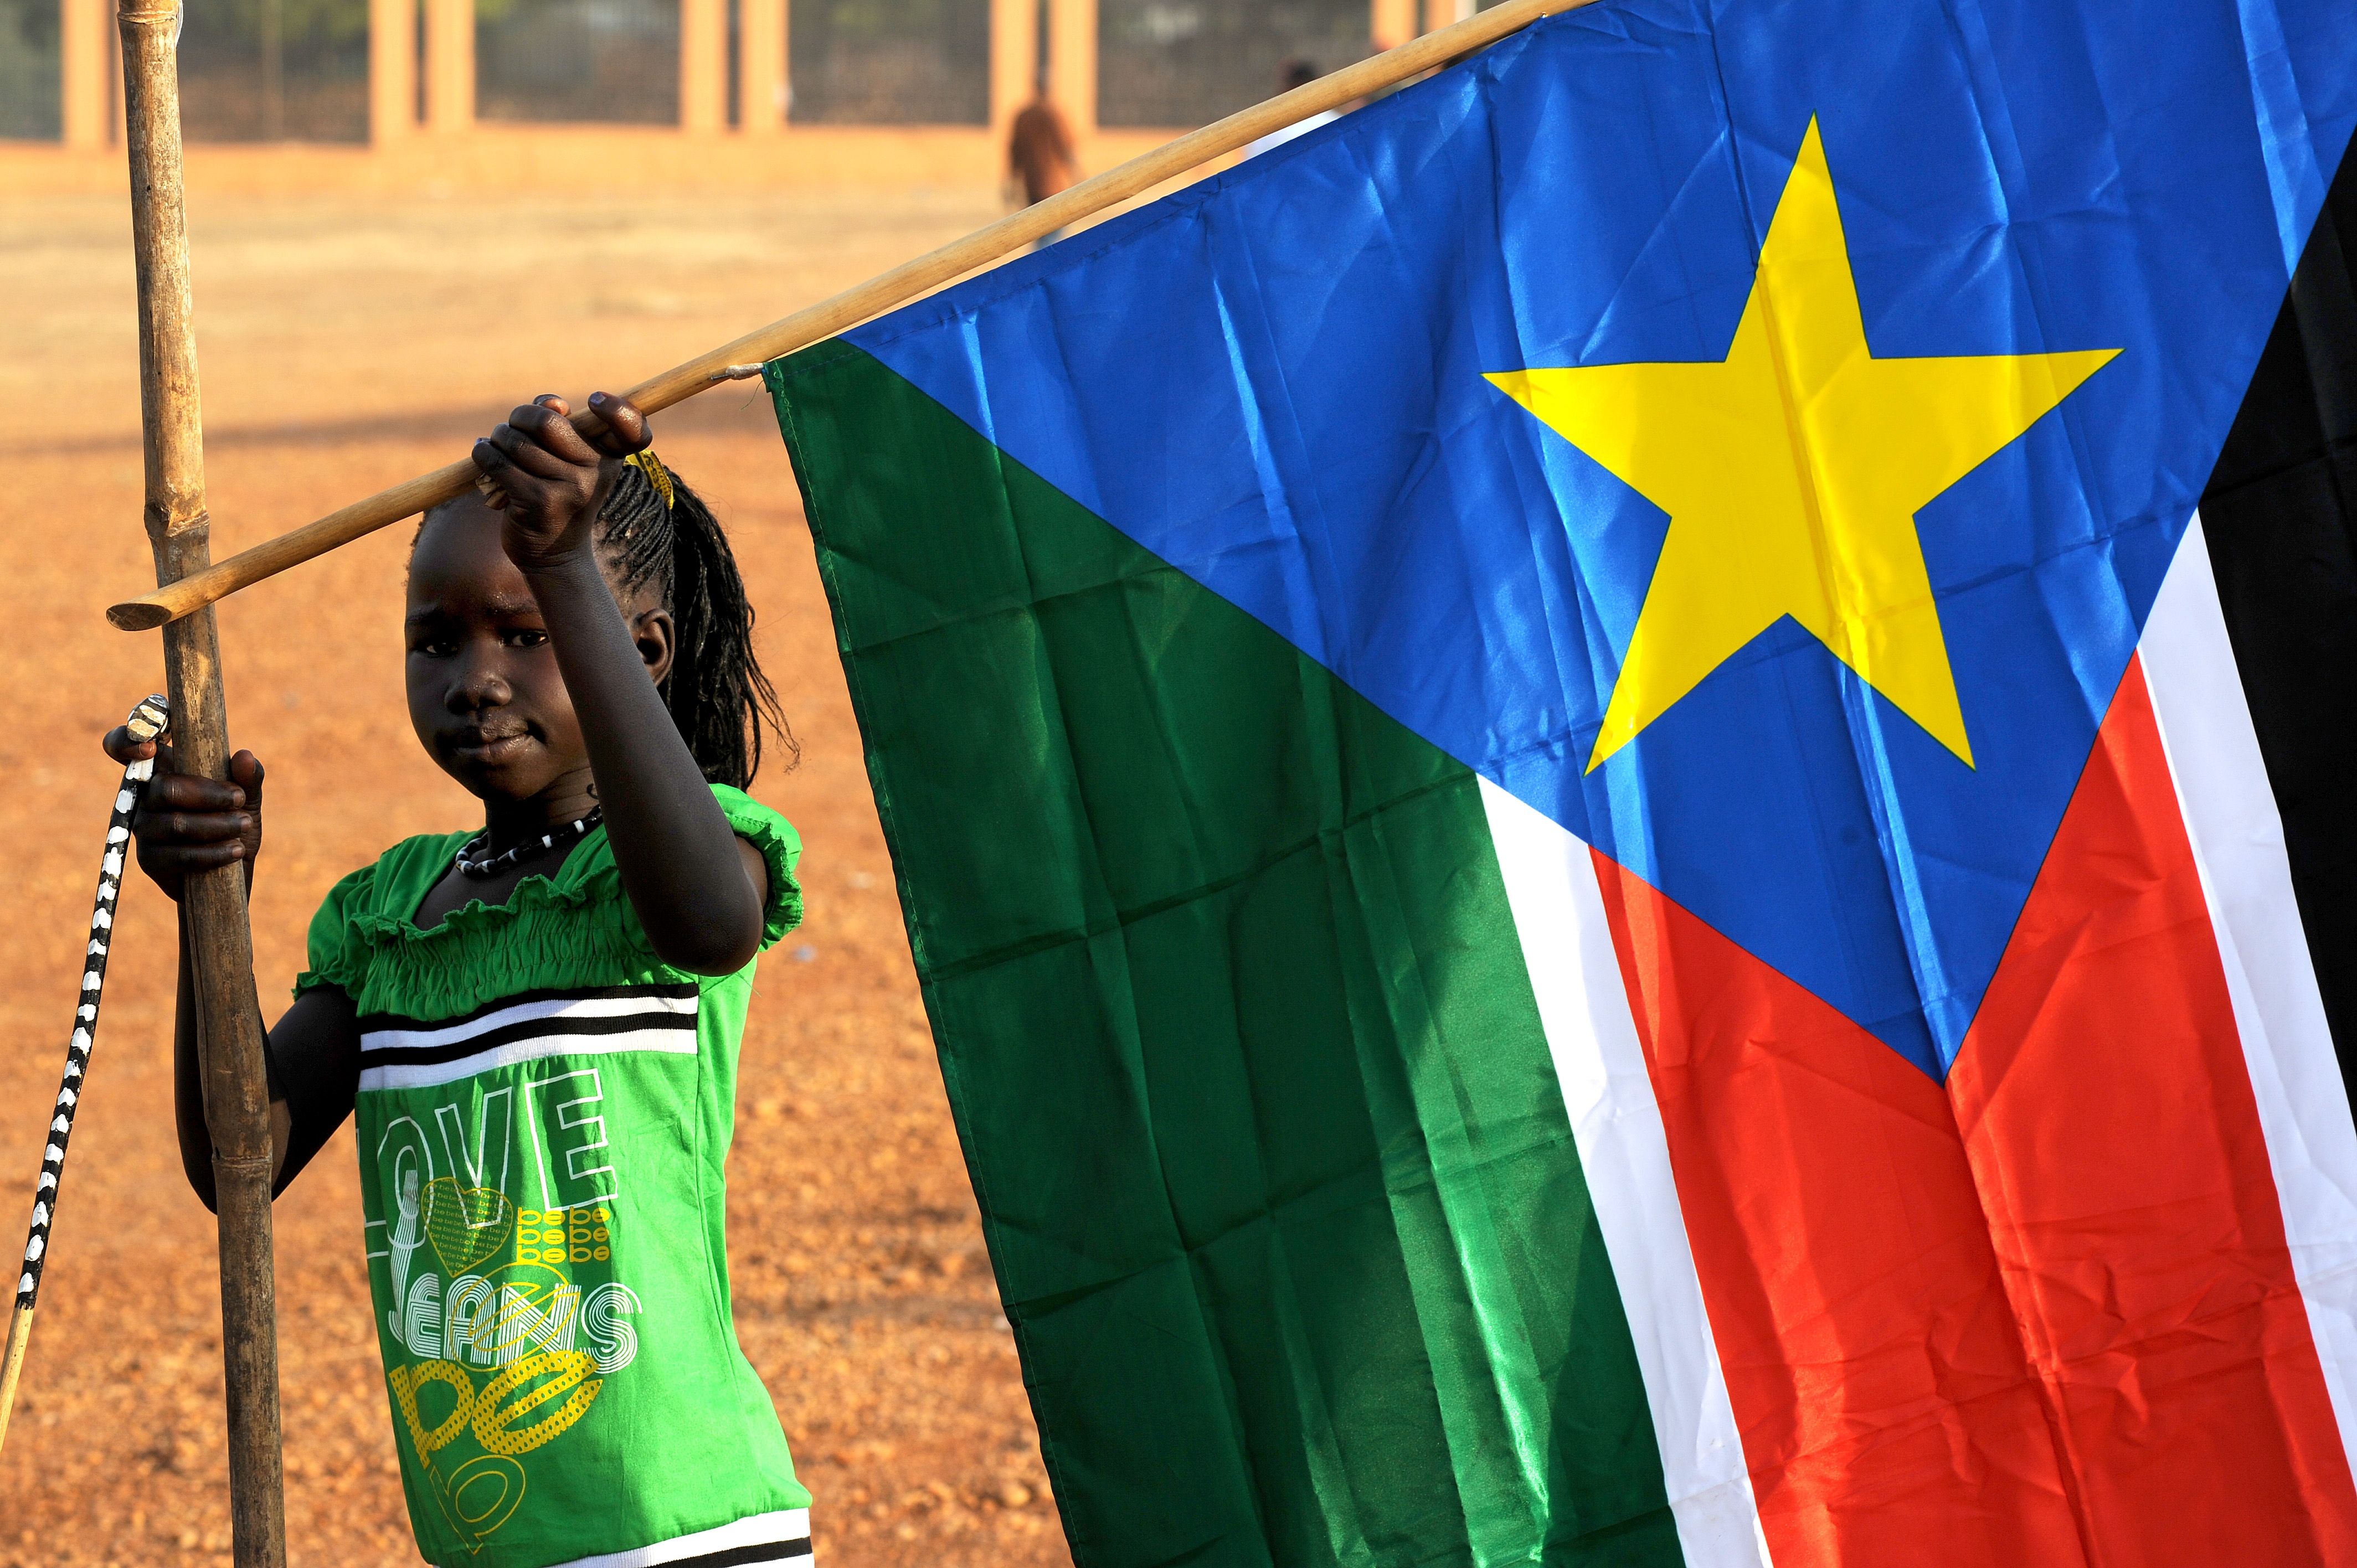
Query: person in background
<point>1039,157</point>
<point>1293,73</point>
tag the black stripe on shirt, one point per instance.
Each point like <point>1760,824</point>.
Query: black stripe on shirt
<point>375,1023</point>
<point>729,1557</point>
<point>526,1029</point>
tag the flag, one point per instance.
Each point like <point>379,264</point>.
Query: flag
<point>1611,864</point>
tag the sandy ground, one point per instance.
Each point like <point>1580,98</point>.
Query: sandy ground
<point>347,346</point>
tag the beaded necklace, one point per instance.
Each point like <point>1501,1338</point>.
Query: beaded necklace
<point>469,865</point>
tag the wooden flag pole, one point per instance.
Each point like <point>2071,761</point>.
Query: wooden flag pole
<point>213,906</point>
<point>877,294</point>
<point>12,1360</point>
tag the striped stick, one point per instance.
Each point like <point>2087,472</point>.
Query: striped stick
<point>147,722</point>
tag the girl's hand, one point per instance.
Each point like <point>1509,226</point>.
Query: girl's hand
<point>186,823</point>
<point>548,478</point>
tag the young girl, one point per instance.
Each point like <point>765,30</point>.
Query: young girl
<point>536,1022</point>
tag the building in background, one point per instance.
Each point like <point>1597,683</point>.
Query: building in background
<point>29,72</point>
<point>359,95</point>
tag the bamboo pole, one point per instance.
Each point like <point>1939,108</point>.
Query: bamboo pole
<point>12,1362</point>
<point>877,295</point>
<point>212,908</point>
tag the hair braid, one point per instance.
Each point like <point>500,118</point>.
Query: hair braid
<point>717,693</point>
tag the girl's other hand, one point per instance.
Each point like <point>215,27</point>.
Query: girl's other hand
<point>186,823</point>
<point>547,478</point>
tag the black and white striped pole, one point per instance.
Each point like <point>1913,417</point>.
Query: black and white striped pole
<point>147,722</point>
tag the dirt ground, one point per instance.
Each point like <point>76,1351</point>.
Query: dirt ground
<point>347,346</point>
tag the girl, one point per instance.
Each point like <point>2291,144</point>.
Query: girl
<point>537,1023</point>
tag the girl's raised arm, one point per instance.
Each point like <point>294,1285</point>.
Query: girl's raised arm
<point>698,890</point>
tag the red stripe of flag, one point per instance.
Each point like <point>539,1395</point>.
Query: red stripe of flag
<point>1886,1408</point>
<point>2073,1337</point>
<point>2109,1118</point>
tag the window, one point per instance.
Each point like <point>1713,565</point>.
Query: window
<point>272,71</point>
<point>1190,62</point>
<point>612,60</point>
<point>890,62</point>
<point>28,70</point>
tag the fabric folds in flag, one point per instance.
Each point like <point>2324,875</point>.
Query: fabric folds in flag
<point>1280,1188</point>
<point>1613,860</point>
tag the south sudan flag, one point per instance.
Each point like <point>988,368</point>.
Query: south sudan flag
<point>1612,862</point>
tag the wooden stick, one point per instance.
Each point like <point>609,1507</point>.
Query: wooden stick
<point>12,1364</point>
<point>213,905</point>
<point>877,295</point>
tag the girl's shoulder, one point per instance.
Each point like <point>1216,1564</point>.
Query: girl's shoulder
<point>589,875</point>
<point>366,903</point>
<point>397,881</point>
<point>770,832</point>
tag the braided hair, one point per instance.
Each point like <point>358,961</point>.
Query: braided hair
<point>717,694</point>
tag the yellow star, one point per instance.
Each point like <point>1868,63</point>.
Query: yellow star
<point>1792,471</point>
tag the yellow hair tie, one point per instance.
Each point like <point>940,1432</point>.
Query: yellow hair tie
<point>647,463</point>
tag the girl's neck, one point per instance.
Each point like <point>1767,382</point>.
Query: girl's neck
<point>511,822</point>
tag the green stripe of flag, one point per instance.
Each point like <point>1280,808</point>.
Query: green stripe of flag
<point>1269,1149</point>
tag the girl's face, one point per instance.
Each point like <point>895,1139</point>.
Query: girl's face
<point>485,695</point>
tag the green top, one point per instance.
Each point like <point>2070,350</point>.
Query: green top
<point>544,1112</point>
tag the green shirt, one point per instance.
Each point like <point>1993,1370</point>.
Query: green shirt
<point>544,1113</point>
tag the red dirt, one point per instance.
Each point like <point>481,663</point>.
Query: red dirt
<point>346,346</point>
